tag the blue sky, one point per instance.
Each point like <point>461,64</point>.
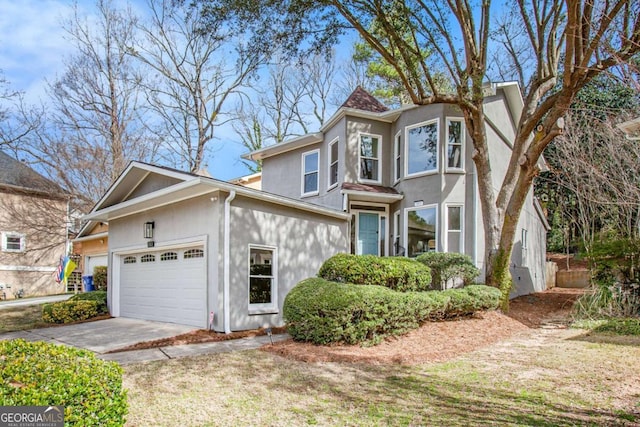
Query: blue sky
<point>32,46</point>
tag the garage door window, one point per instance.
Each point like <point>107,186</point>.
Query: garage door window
<point>148,258</point>
<point>168,256</point>
<point>193,253</point>
<point>262,277</point>
<point>130,260</point>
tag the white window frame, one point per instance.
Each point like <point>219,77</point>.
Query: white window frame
<point>407,151</point>
<point>6,235</point>
<point>264,308</point>
<point>463,132</point>
<point>330,164</point>
<point>397,157</point>
<point>396,233</point>
<point>446,226</point>
<point>377,158</point>
<point>304,174</point>
<point>406,224</point>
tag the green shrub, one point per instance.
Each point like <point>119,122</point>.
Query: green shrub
<point>615,280</point>
<point>323,312</point>
<point>69,311</point>
<point>42,374</point>
<point>100,297</point>
<point>446,266</point>
<point>397,273</point>
<point>100,278</point>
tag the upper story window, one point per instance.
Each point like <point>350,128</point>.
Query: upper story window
<point>333,163</point>
<point>397,158</point>
<point>369,154</point>
<point>310,172</point>
<point>13,242</point>
<point>422,148</point>
<point>455,144</point>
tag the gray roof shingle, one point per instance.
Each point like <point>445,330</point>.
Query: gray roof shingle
<point>15,174</point>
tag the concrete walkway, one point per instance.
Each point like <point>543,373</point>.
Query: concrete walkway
<point>191,350</point>
<point>103,336</point>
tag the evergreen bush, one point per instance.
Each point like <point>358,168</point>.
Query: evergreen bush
<point>43,374</point>
<point>397,273</point>
<point>448,266</point>
<point>323,312</point>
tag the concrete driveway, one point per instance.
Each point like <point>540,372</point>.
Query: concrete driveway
<point>102,336</point>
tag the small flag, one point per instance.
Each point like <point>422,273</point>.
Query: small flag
<point>69,266</point>
<point>60,270</point>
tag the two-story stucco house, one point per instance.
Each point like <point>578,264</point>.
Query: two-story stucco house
<point>33,230</point>
<point>407,178</point>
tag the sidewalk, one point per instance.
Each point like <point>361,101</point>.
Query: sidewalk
<point>33,300</point>
<point>190,350</point>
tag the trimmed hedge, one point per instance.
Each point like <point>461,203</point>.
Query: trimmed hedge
<point>447,266</point>
<point>79,307</point>
<point>69,311</point>
<point>100,297</point>
<point>397,273</point>
<point>324,312</point>
<point>42,374</point>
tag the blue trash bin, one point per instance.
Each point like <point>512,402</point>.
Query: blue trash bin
<point>87,282</point>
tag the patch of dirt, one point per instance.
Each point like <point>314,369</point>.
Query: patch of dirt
<point>438,341</point>
<point>434,341</point>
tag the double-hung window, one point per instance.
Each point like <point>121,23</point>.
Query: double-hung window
<point>369,154</point>
<point>454,229</point>
<point>310,172</point>
<point>13,242</point>
<point>262,277</point>
<point>455,144</point>
<point>422,148</point>
<point>333,163</point>
<point>397,158</point>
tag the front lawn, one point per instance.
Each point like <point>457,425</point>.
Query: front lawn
<point>544,377</point>
<point>21,318</point>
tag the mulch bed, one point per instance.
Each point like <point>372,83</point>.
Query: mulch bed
<point>434,341</point>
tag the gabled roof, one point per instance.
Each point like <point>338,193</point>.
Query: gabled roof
<point>118,201</point>
<point>360,99</point>
<point>18,176</point>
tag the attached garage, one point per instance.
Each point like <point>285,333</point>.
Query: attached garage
<point>167,285</point>
<point>182,248</point>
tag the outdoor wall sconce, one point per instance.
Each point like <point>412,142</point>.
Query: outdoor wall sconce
<point>148,229</point>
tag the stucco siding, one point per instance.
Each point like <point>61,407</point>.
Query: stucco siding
<point>41,223</point>
<point>303,241</point>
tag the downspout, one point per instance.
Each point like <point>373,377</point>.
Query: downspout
<point>226,245</point>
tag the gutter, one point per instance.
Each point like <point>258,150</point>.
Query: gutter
<point>226,246</point>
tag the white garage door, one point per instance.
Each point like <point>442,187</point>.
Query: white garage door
<point>166,286</point>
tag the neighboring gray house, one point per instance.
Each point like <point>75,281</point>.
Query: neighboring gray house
<point>189,249</point>
<point>407,179</point>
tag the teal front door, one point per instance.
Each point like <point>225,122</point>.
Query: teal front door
<point>368,233</point>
